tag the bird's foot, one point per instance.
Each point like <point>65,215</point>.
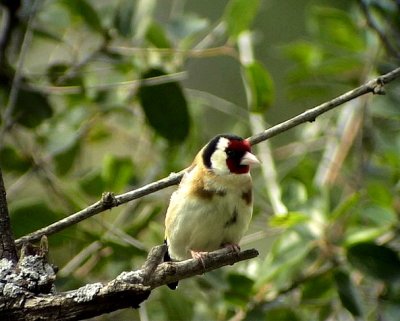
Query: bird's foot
<point>232,246</point>
<point>199,256</point>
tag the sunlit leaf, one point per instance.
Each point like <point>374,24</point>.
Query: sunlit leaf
<point>239,14</point>
<point>362,234</point>
<point>336,27</point>
<point>286,257</point>
<point>84,10</point>
<point>347,293</point>
<point>165,107</point>
<point>157,36</point>
<point>345,206</point>
<point>260,86</point>
<point>288,220</point>
<point>306,54</point>
<point>378,261</point>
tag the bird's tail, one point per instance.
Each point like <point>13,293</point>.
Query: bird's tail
<point>167,258</point>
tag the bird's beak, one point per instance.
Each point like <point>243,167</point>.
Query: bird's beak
<point>249,159</point>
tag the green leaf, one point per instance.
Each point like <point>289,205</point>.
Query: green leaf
<point>306,54</point>
<point>294,193</point>
<point>93,184</point>
<point>11,160</point>
<point>156,35</point>
<point>347,293</point>
<point>31,108</point>
<point>281,314</point>
<point>287,256</point>
<point>117,172</point>
<point>123,18</point>
<point>345,206</point>
<point>178,307</point>
<point>65,159</point>
<point>378,261</point>
<point>85,11</point>
<point>260,86</point>
<point>165,107</point>
<point>363,234</point>
<point>30,215</point>
<point>240,289</point>
<point>318,288</point>
<point>379,215</point>
<point>288,220</point>
<point>47,35</point>
<point>57,70</point>
<point>336,27</point>
<point>239,14</point>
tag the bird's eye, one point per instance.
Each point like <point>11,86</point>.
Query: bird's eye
<point>231,153</point>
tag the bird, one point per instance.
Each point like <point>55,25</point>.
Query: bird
<point>213,204</point>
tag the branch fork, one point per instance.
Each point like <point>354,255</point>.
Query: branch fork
<point>128,289</point>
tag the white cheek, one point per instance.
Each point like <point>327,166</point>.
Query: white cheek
<point>218,162</point>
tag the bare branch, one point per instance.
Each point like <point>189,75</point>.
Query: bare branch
<point>7,247</point>
<point>128,289</point>
<point>10,21</point>
<point>390,48</point>
<point>18,77</point>
<point>374,86</point>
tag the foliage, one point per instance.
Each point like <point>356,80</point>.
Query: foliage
<point>116,94</point>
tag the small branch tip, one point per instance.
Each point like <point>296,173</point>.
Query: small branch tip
<point>378,88</point>
<point>109,200</point>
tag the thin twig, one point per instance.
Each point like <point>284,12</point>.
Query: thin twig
<point>390,48</point>
<point>374,86</point>
<point>8,24</point>
<point>12,99</point>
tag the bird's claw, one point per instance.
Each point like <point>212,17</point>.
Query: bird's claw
<point>232,246</point>
<point>199,256</point>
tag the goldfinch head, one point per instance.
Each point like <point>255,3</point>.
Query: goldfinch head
<point>228,154</point>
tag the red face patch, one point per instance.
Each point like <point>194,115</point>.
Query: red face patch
<point>235,151</point>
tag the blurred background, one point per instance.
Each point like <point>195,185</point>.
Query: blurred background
<point>100,96</point>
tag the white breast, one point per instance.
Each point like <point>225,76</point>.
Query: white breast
<point>206,224</point>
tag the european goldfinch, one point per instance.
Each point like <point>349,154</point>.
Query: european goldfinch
<point>213,204</point>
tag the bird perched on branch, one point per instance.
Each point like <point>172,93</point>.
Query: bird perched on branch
<point>213,204</point>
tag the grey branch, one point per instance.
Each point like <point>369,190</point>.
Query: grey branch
<point>7,247</point>
<point>108,201</point>
<point>128,289</point>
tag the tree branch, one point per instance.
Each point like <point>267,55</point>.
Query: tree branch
<point>7,247</point>
<point>108,201</point>
<point>10,20</point>
<point>390,48</point>
<point>128,289</point>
